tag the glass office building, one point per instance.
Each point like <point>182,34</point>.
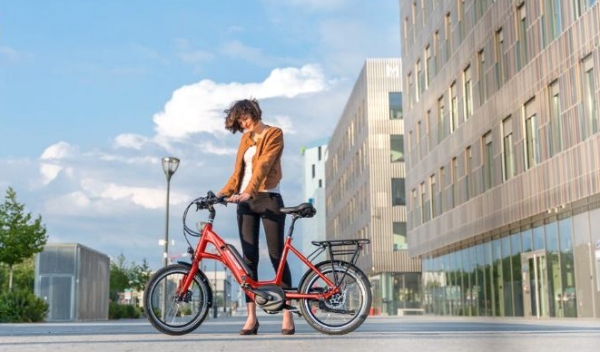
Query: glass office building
<point>501,113</point>
<point>365,194</point>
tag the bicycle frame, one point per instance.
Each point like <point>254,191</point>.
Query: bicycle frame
<point>225,256</point>
<point>333,297</point>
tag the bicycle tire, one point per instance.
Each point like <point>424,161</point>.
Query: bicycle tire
<point>181,316</point>
<point>343,312</point>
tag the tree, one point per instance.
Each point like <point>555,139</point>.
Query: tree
<point>21,236</point>
<point>123,276</point>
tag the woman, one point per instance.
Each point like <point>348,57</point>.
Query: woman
<point>254,185</point>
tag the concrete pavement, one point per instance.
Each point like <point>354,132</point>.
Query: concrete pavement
<point>414,333</point>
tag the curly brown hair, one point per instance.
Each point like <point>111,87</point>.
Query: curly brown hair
<point>237,109</point>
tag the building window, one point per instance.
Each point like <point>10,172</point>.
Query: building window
<point>590,105</point>
<point>453,108</point>
<point>453,182</point>
<point>488,158</point>
<point>481,77</point>
<point>313,168</point>
<point>410,146</point>
<point>420,81</point>
<point>432,193</point>
<point>430,136</point>
<point>411,90</point>
<point>428,66</point>
<point>397,147</point>
<point>468,92</point>
<point>395,103</point>
<point>555,137</point>
<point>580,6</point>
<point>440,190</point>
<point>461,20</point>
<point>468,168</point>
<point>418,137</point>
<point>422,128</point>
<point>441,124</point>
<point>499,58</point>
<point>400,242</point>
<point>532,140</point>
<point>320,183</point>
<point>437,50</point>
<point>416,209</point>
<point>508,159</point>
<point>424,203</point>
<point>521,47</point>
<point>398,192</point>
<point>552,20</point>
<point>448,36</point>
<point>319,153</point>
<point>406,29</point>
<point>479,9</point>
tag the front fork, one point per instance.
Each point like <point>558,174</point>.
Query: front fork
<point>183,291</point>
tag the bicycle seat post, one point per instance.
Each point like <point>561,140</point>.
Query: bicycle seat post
<point>291,228</point>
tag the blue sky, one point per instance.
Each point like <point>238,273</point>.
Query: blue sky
<point>94,93</point>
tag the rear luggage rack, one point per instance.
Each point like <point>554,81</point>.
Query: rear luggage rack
<point>340,248</point>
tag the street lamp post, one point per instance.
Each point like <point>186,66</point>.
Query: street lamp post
<point>169,165</point>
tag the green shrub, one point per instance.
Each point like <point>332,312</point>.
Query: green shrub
<point>22,307</point>
<point>123,311</point>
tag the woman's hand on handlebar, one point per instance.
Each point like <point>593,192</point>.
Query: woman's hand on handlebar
<point>238,198</point>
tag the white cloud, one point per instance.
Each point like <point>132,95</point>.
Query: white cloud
<point>101,198</point>
<point>199,107</point>
<point>145,197</point>
<point>59,150</point>
<point>49,172</point>
<point>213,149</point>
<point>130,140</point>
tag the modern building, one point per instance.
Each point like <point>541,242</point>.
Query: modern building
<point>224,298</point>
<point>313,190</point>
<point>74,281</point>
<point>365,195</point>
<point>503,155</point>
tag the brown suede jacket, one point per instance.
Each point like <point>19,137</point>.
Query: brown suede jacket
<point>266,164</point>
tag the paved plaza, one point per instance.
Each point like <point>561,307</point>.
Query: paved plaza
<point>378,333</point>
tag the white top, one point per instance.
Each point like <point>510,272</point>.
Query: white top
<point>248,155</point>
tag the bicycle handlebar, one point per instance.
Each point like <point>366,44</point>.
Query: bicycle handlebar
<point>210,200</point>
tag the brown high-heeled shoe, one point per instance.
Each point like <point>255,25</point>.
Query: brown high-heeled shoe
<point>291,331</point>
<point>253,331</point>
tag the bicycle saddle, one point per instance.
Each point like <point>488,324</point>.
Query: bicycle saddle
<point>304,210</point>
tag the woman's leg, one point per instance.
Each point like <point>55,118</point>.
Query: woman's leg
<point>274,225</point>
<point>248,225</point>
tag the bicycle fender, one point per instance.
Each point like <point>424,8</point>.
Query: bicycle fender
<point>329,262</point>
<point>204,280</point>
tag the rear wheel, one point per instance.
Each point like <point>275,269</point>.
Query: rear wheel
<point>173,314</point>
<point>344,311</point>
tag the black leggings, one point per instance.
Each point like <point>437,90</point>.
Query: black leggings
<point>266,206</point>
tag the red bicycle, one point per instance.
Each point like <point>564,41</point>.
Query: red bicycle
<point>334,296</point>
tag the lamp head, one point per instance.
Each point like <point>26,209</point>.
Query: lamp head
<point>170,164</point>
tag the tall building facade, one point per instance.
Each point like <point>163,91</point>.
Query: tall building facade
<point>365,195</point>
<point>503,155</point>
<point>313,189</point>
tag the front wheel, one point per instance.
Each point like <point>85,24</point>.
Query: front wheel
<point>344,311</point>
<point>169,312</point>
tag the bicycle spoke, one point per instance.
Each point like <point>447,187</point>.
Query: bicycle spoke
<point>169,312</point>
<point>343,311</point>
